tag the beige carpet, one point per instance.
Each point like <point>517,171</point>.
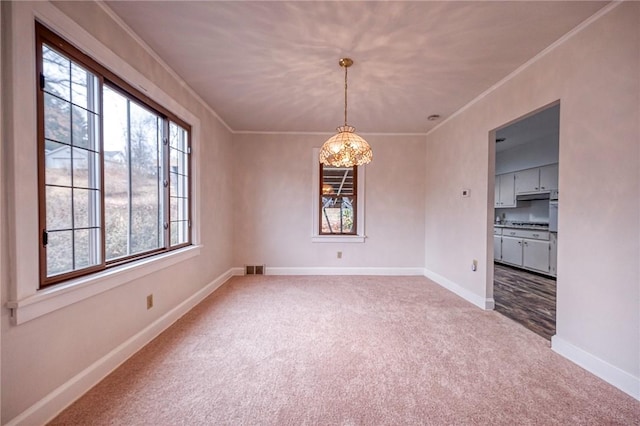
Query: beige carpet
<point>267,350</point>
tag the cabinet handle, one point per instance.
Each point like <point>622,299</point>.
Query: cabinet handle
<point>520,242</point>
<point>512,233</point>
<point>536,187</point>
<point>526,244</point>
<point>536,235</point>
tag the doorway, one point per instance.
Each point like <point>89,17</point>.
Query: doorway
<point>525,220</point>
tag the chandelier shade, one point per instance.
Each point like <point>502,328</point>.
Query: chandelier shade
<point>346,148</point>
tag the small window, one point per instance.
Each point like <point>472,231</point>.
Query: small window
<point>338,200</point>
<point>114,167</point>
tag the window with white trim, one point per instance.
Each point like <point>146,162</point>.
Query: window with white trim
<point>338,202</point>
<point>114,167</point>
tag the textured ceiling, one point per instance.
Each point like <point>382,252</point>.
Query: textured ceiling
<point>273,66</point>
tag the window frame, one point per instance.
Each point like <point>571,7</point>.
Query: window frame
<point>105,78</point>
<point>321,196</point>
<point>316,192</point>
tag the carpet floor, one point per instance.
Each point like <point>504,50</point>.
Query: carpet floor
<point>270,350</point>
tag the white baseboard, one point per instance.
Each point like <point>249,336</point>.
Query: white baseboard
<point>51,405</point>
<point>487,304</point>
<point>343,271</point>
<point>239,270</point>
<point>479,301</point>
<point>600,368</point>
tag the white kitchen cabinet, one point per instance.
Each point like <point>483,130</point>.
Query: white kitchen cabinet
<point>528,248</point>
<point>549,177</point>
<point>497,247</point>
<point>537,179</point>
<point>505,190</point>
<point>535,255</point>
<point>553,254</point>
<point>512,250</point>
<point>526,233</point>
<point>527,181</point>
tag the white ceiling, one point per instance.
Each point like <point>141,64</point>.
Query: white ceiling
<point>273,66</point>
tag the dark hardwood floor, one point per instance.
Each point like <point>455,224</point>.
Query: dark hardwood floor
<point>527,298</point>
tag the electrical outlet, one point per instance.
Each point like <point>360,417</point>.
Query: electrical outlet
<point>474,265</point>
<point>339,255</point>
<point>150,301</point>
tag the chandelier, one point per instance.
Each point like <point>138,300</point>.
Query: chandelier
<point>345,148</point>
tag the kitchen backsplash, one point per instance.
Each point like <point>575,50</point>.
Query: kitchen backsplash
<point>527,211</point>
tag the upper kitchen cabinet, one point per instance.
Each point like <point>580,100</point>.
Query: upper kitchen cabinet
<point>549,177</point>
<point>528,181</point>
<point>538,179</point>
<point>505,190</point>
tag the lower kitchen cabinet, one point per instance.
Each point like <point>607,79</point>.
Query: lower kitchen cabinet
<point>535,255</point>
<point>553,254</point>
<point>528,249</point>
<point>512,250</point>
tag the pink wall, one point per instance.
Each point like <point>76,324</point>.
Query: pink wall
<point>595,75</point>
<point>256,205</point>
<point>42,356</point>
<point>273,210</point>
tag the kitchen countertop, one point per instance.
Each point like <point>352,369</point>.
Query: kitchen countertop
<point>534,228</point>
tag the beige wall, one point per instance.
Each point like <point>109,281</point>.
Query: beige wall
<point>45,353</point>
<point>273,204</point>
<point>595,75</point>
<point>415,214</point>
<point>3,190</point>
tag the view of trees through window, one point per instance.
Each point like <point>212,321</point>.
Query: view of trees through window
<point>338,200</point>
<point>116,172</point>
<point>72,166</point>
<point>133,177</point>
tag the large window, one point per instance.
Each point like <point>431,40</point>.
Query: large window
<point>114,167</point>
<point>338,200</point>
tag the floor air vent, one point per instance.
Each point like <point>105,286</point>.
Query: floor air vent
<point>254,270</point>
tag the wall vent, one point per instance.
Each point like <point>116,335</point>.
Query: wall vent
<point>254,269</point>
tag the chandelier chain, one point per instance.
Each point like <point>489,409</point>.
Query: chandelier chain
<point>345,95</point>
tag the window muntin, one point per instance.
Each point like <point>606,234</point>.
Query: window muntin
<point>104,195</point>
<point>338,200</point>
